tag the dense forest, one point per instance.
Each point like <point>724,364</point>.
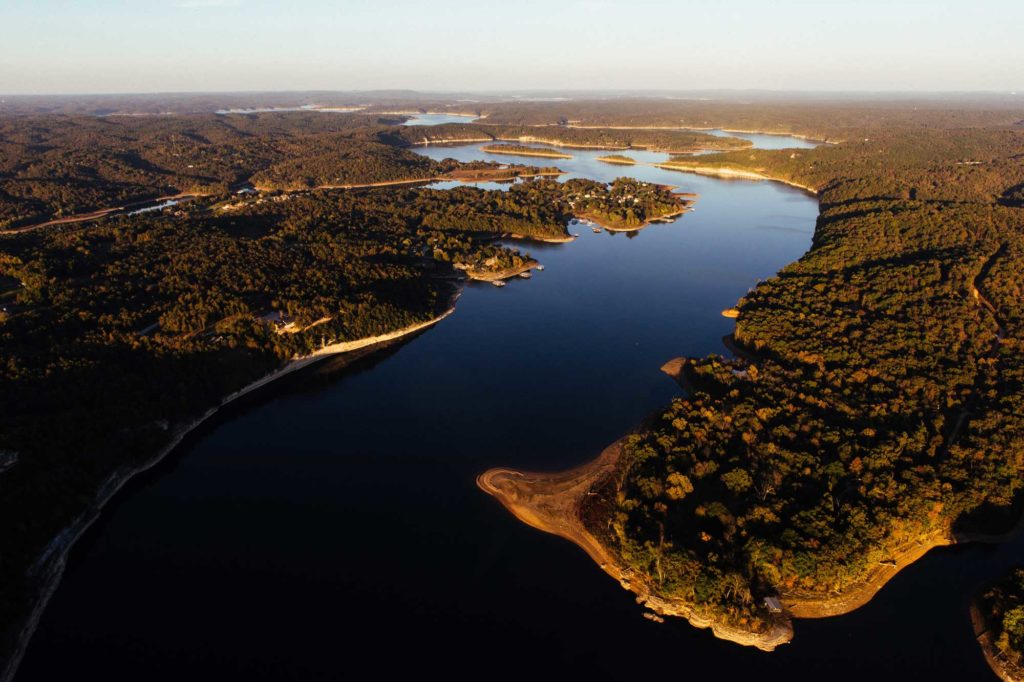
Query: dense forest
<point>877,401</point>
<point>823,118</point>
<point>673,141</point>
<point>54,167</point>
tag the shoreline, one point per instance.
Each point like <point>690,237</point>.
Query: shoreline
<point>734,174</point>
<point>551,502</point>
<point>856,596</point>
<point>612,148</point>
<point>507,273</point>
<point>50,564</point>
<point>1004,670</point>
<point>635,228</point>
<point>451,142</point>
<point>534,238</point>
<point>799,136</point>
<point>542,153</point>
<point>497,177</point>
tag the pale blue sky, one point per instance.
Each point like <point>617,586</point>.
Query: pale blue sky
<point>87,46</point>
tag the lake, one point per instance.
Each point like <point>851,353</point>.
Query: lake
<point>766,140</point>
<point>438,119</point>
<point>331,527</point>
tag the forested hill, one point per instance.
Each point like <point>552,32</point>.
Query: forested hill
<point>53,167</point>
<point>819,117</point>
<point>58,166</point>
<point>881,405</point>
<point>672,141</point>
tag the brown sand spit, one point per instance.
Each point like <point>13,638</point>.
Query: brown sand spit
<point>552,502</point>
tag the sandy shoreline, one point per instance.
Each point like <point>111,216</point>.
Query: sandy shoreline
<point>542,153</point>
<point>732,173</point>
<point>426,142</point>
<point>48,568</point>
<point>508,273</point>
<point>544,240</point>
<point>634,228</point>
<point>552,502</point>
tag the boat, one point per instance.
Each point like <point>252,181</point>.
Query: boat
<point>498,282</point>
<point>525,275</point>
<point>597,230</point>
<point>540,268</point>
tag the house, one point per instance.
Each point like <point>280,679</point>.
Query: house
<point>773,604</point>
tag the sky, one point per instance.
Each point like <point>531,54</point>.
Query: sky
<point>120,46</point>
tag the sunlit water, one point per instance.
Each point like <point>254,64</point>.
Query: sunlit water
<point>767,141</point>
<point>437,119</point>
<point>331,528</point>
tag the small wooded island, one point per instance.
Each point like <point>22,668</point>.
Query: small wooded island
<point>523,150</point>
<point>618,159</point>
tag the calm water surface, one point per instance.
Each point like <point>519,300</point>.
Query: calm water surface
<point>437,119</point>
<point>767,141</point>
<point>331,528</point>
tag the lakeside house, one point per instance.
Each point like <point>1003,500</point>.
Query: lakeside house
<point>773,604</point>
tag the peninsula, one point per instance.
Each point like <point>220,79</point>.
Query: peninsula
<point>522,150</point>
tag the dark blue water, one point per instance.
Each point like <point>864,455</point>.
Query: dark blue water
<point>331,528</point>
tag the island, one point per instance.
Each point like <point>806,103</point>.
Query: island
<point>997,614</point>
<point>618,159</point>
<point>522,150</point>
